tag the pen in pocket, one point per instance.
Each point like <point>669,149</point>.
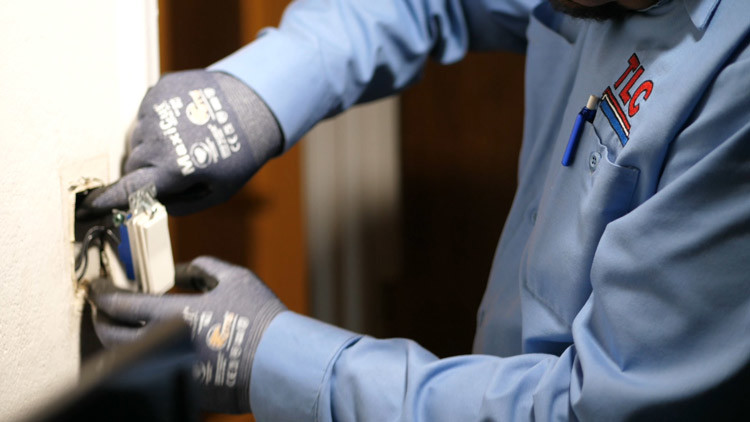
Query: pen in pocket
<point>586,115</point>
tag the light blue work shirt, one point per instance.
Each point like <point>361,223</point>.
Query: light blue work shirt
<point>620,282</point>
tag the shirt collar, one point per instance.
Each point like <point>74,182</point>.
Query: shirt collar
<point>701,11</point>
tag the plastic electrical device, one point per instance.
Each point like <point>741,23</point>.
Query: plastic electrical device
<point>145,250</point>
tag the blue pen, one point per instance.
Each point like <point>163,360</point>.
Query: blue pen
<point>587,114</point>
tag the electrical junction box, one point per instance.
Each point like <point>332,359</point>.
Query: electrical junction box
<point>132,248</point>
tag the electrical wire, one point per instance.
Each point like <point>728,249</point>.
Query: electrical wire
<point>95,236</point>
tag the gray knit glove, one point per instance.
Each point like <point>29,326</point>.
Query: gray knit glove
<point>227,322</point>
<point>199,137</point>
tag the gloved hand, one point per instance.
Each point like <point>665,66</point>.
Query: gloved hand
<point>199,137</point>
<point>227,322</point>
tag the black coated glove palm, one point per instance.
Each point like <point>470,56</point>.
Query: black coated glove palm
<point>227,322</point>
<point>199,137</point>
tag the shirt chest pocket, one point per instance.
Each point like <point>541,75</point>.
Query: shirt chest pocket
<point>576,205</point>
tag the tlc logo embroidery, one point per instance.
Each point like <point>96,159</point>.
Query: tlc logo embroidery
<point>626,99</point>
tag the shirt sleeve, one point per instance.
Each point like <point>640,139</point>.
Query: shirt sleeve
<point>663,335</point>
<point>326,56</point>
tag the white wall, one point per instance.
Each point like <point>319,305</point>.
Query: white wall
<point>71,76</point>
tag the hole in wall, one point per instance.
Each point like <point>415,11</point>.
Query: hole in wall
<point>89,343</point>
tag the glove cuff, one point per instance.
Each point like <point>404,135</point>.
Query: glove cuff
<point>266,314</point>
<point>255,118</point>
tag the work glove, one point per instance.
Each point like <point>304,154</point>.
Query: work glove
<point>227,321</point>
<point>199,136</point>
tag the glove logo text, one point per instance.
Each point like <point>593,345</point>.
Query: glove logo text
<point>168,126</point>
<point>219,334</point>
<point>204,153</point>
<point>198,112</point>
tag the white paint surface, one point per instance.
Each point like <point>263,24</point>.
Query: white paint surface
<point>71,76</point>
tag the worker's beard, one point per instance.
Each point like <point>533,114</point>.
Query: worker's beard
<point>607,11</point>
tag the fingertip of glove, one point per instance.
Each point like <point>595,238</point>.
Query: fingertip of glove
<point>206,261</point>
<point>89,207</point>
<point>97,291</point>
<point>211,265</point>
<point>104,199</point>
<point>101,201</point>
<point>96,286</point>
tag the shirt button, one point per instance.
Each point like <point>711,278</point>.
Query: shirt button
<point>533,215</point>
<point>594,159</point>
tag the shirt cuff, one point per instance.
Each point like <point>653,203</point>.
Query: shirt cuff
<point>287,72</point>
<point>292,365</point>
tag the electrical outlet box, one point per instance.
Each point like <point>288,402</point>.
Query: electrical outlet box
<point>143,228</point>
<point>76,178</point>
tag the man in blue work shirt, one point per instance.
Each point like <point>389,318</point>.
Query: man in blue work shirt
<point>619,288</point>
